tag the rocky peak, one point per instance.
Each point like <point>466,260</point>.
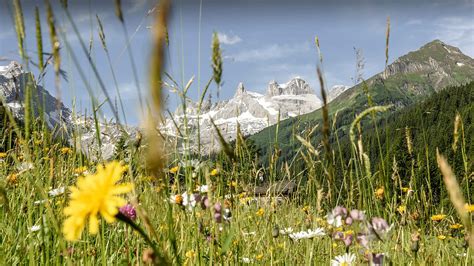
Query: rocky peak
<point>442,64</point>
<point>296,86</point>
<point>240,90</point>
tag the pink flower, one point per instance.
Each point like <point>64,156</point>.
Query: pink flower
<point>357,215</point>
<point>129,211</point>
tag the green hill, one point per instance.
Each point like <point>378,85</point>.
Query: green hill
<point>408,80</point>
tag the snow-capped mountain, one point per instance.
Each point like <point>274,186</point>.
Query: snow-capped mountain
<point>336,90</point>
<point>77,129</point>
<point>251,110</point>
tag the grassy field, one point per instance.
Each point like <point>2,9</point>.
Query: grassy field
<point>58,207</point>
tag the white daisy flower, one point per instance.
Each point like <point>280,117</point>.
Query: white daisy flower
<point>344,260</point>
<point>307,234</point>
<point>247,260</point>
<point>203,189</point>
<point>286,231</point>
<point>35,228</point>
<point>56,192</point>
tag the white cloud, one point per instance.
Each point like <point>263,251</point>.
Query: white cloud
<point>273,51</point>
<point>457,31</point>
<point>228,39</point>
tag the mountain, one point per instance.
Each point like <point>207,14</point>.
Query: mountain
<point>74,128</point>
<point>251,110</point>
<point>409,79</point>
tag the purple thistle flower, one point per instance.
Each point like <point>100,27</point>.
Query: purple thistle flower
<point>129,211</point>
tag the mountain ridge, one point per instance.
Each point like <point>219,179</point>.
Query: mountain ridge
<point>408,79</point>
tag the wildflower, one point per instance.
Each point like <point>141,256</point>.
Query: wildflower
<point>379,193</point>
<point>455,226</point>
<point>35,228</point>
<point>348,238</point>
<point>3,155</point>
<point>12,179</point>
<point>357,215</point>
<point>177,199</point>
<point>307,234</point>
<point>441,237</point>
<point>438,217</point>
<point>469,207</point>
<point>259,257</point>
<point>203,188</point>
<point>379,226</point>
<point>343,260</point>
<point>377,259</point>
<point>286,231</point>
<point>190,254</point>
<point>402,209</point>
<point>335,217</point>
<point>56,192</point>
<point>405,189</point>
<point>260,212</point>
<point>174,170</point>
<point>218,212</point>
<point>205,203</point>
<point>214,172</point>
<point>129,211</point>
<point>81,170</point>
<point>95,194</point>
<point>305,209</point>
<point>65,150</point>
<point>363,240</point>
<point>247,260</point>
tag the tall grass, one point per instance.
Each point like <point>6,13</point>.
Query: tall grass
<point>233,226</point>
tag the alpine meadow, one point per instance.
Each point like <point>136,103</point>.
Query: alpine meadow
<point>207,132</point>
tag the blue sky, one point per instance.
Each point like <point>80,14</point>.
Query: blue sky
<point>262,40</point>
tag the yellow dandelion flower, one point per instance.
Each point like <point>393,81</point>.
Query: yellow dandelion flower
<point>178,199</point>
<point>405,189</point>
<point>260,212</point>
<point>214,172</point>
<point>259,257</point>
<point>65,150</point>
<point>190,254</point>
<point>455,226</point>
<point>469,207</point>
<point>438,217</point>
<point>3,155</point>
<point>402,209</point>
<point>93,195</point>
<point>174,170</point>
<point>334,245</point>
<point>12,179</point>
<point>80,170</point>
<point>379,193</point>
<point>441,237</point>
<point>305,209</point>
